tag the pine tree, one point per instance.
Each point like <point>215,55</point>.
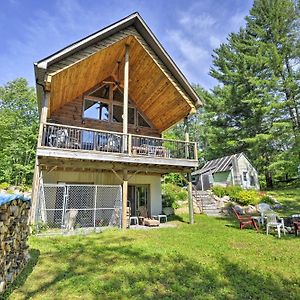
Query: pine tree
<point>255,108</point>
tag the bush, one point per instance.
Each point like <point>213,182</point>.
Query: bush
<point>237,194</point>
<point>247,197</point>
<point>219,191</point>
<point>233,192</point>
<point>172,194</point>
<point>266,199</point>
<point>4,186</point>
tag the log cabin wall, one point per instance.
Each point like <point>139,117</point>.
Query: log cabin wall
<point>71,114</point>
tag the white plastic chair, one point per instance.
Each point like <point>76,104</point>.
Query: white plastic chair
<point>274,222</point>
<point>263,208</point>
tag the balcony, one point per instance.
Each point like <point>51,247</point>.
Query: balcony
<point>82,143</point>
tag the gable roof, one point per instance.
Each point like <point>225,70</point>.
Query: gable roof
<point>74,53</point>
<point>221,164</point>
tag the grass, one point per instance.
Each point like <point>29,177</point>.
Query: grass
<point>289,198</point>
<point>211,259</point>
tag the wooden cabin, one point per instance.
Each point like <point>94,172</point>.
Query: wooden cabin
<point>104,103</point>
<point>228,170</point>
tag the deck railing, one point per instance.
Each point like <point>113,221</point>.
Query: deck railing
<point>71,137</point>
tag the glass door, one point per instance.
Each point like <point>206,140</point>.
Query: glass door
<point>138,195</point>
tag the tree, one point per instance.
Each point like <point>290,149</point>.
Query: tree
<point>18,132</point>
<point>256,107</point>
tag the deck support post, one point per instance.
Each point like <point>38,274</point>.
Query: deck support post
<point>125,99</point>
<point>190,198</point>
<point>186,136</point>
<point>189,176</point>
<point>37,170</point>
<point>124,199</point>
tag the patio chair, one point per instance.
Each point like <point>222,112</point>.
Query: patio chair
<point>263,208</point>
<point>273,221</point>
<point>245,220</point>
<point>147,221</point>
<point>296,223</point>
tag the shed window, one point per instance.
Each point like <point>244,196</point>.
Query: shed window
<point>245,176</point>
<point>96,110</point>
<point>252,182</point>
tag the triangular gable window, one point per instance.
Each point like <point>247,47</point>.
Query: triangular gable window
<point>105,109</point>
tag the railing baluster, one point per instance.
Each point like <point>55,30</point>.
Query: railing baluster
<point>71,137</point>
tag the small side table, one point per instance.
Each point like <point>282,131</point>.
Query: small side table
<point>161,218</point>
<point>133,220</point>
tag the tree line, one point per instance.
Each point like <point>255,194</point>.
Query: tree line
<point>255,108</point>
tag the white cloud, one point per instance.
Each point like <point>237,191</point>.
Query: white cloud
<point>237,20</point>
<point>194,21</point>
<point>214,41</point>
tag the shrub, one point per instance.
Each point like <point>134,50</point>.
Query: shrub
<point>4,186</point>
<point>237,194</point>
<point>219,191</point>
<point>233,192</point>
<point>266,199</point>
<point>172,194</point>
<point>247,197</point>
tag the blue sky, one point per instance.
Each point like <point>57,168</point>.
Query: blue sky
<point>189,30</point>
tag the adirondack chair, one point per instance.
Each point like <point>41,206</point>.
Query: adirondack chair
<point>245,220</point>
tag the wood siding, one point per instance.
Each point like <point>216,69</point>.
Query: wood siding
<point>152,87</point>
<point>71,114</point>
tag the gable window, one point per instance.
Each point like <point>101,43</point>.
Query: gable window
<point>252,181</point>
<point>96,110</point>
<point>118,114</point>
<point>245,176</point>
<point>98,106</point>
<point>142,122</point>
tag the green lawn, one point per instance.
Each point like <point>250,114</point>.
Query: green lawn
<point>212,259</point>
<point>290,198</point>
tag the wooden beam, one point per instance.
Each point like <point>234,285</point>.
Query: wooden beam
<point>186,136</point>
<point>124,199</point>
<point>117,175</point>
<point>190,198</point>
<point>115,157</point>
<point>125,98</point>
<point>36,175</point>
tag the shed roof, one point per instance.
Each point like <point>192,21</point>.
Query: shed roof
<point>221,164</point>
<point>81,64</point>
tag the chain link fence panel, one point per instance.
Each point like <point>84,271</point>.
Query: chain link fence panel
<point>70,206</point>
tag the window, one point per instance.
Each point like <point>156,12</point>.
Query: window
<point>96,110</point>
<point>102,92</point>
<point>142,122</point>
<point>245,176</point>
<point>118,114</point>
<point>252,182</point>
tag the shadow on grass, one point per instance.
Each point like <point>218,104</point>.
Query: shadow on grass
<point>105,268</point>
<point>176,218</point>
<point>21,278</point>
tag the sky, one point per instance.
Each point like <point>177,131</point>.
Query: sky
<point>189,30</point>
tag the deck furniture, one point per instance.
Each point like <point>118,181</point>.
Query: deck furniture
<point>263,208</point>
<point>296,227</point>
<point>245,220</point>
<point>147,221</point>
<point>273,221</point>
<point>133,221</point>
<point>161,218</point>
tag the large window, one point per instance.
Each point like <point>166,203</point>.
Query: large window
<point>96,110</point>
<point>98,106</point>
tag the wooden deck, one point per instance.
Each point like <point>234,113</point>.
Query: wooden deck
<point>70,142</point>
